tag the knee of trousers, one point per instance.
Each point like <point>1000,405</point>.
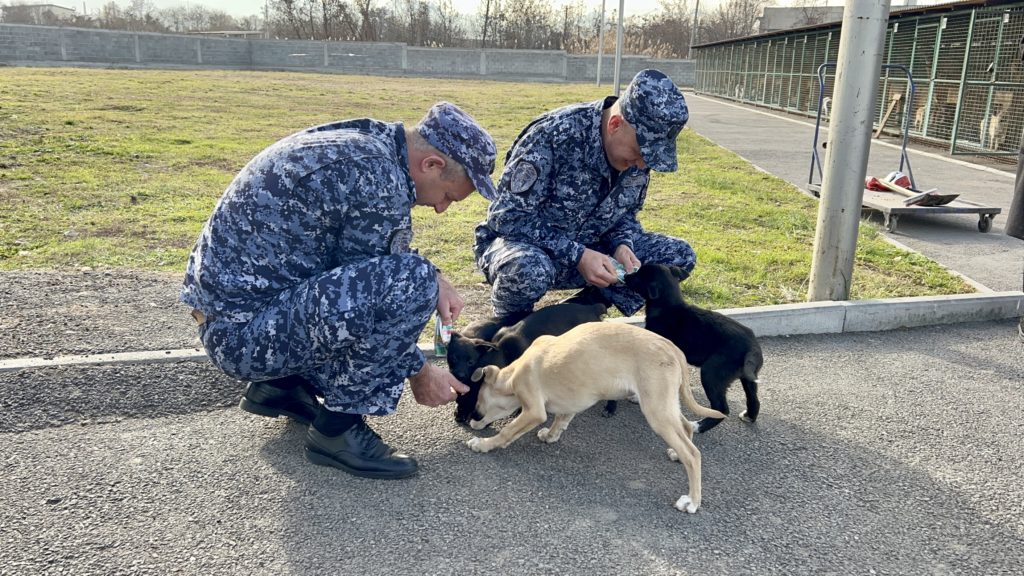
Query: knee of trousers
<point>414,286</point>
<point>521,280</point>
<point>660,249</point>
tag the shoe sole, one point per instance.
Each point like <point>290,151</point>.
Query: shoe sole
<point>322,459</point>
<point>262,410</point>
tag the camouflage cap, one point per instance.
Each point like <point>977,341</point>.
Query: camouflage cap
<point>655,108</point>
<point>455,133</point>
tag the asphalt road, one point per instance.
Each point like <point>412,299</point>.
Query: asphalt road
<point>876,453</point>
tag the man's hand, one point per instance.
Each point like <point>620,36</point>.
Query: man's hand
<point>627,258</point>
<point>433,386</point>
<point>597,268</point>
<point>449,303</point>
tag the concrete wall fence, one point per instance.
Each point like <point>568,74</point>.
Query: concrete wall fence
<point>25,45</point>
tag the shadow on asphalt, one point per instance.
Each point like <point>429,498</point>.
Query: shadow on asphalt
<point>778,496</point>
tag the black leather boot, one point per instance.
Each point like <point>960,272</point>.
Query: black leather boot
<point>360,452</point>
<point>289,396</point>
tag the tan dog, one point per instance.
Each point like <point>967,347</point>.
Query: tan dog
<point>592,362</point>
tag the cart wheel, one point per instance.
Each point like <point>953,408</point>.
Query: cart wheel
<point>891,222</point>
<point>984,222</point>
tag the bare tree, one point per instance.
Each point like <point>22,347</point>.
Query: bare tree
<point>732,19</point>
<point>527,24</point>
<point>811,11</point>
<point>447,29</point>
<point>19,14</point>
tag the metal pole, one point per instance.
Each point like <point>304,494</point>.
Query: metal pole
<point>618,47</point>
<point>861,42</point>
<point>600,44</point>
<point>693,31</point>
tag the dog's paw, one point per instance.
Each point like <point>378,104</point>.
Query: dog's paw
<point>672,455</point>
<point>684,504</point>
<point>546,435</point>
<point>633,397</point>
<point>745,418</point>
<point>478,445</point>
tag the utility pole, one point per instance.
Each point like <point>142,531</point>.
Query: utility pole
<point>846,160</point>
<point>693,30</point>
<point>266,19</point>
<point>600,44</point>
<point>618,47</point>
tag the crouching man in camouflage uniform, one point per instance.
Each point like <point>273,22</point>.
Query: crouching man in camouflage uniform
<point>303,281</point>
<point>567,200</point>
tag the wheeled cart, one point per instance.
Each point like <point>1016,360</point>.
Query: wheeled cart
<point>888,203</point>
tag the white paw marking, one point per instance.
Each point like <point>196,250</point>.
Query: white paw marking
<point>684,504</point>
<point>693,424</point>
<point>476,444</point>
<point>743,416</point>
<point>672,455</point>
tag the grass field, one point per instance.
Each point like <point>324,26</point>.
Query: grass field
<point>120,168</point>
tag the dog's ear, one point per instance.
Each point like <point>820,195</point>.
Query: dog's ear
<point>489,374</point>
<point>678,273</point>
<point>482,347</point>
<point>478,374</point>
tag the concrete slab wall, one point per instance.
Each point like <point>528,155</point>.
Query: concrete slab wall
<point>97,46</point>
<point>167,49</point>
<point>225,52</point>
<point>433,62</point>
<point>29,43</point>
<point>526,64</point>
<point>25,45</point>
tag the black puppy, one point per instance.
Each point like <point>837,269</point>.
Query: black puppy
<point>466,353</point>
<point>723,348</point>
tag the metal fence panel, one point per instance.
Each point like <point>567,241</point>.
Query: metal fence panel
<point>969,84</point>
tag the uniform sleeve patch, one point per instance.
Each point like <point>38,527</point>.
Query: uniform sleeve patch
<point>401,241</point>
<point>523,178</point>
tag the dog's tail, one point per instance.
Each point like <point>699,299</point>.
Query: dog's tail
<point>752,364</point>
<point>689,401</point>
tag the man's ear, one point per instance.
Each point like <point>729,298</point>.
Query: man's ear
<point>432,163</point>
<point>615,121</point>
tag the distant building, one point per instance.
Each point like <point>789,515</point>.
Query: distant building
<point>775,18</point>
<point>36,13</point>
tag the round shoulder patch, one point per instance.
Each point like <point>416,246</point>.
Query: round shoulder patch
<point>523,178</point>
<point>401,240</point>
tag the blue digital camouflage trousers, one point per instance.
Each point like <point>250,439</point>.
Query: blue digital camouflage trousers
<point>520,274</point>
<point>352,332</point>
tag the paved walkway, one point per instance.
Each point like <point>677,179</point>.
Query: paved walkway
<point>781,144</point>
<point>889,453</point>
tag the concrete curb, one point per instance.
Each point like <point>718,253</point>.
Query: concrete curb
<point>779,320</point>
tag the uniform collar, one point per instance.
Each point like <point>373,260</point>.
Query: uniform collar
<point>402,148</point>
<point>596,156</point>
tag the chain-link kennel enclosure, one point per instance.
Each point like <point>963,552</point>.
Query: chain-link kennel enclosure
<point>969,82</point>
